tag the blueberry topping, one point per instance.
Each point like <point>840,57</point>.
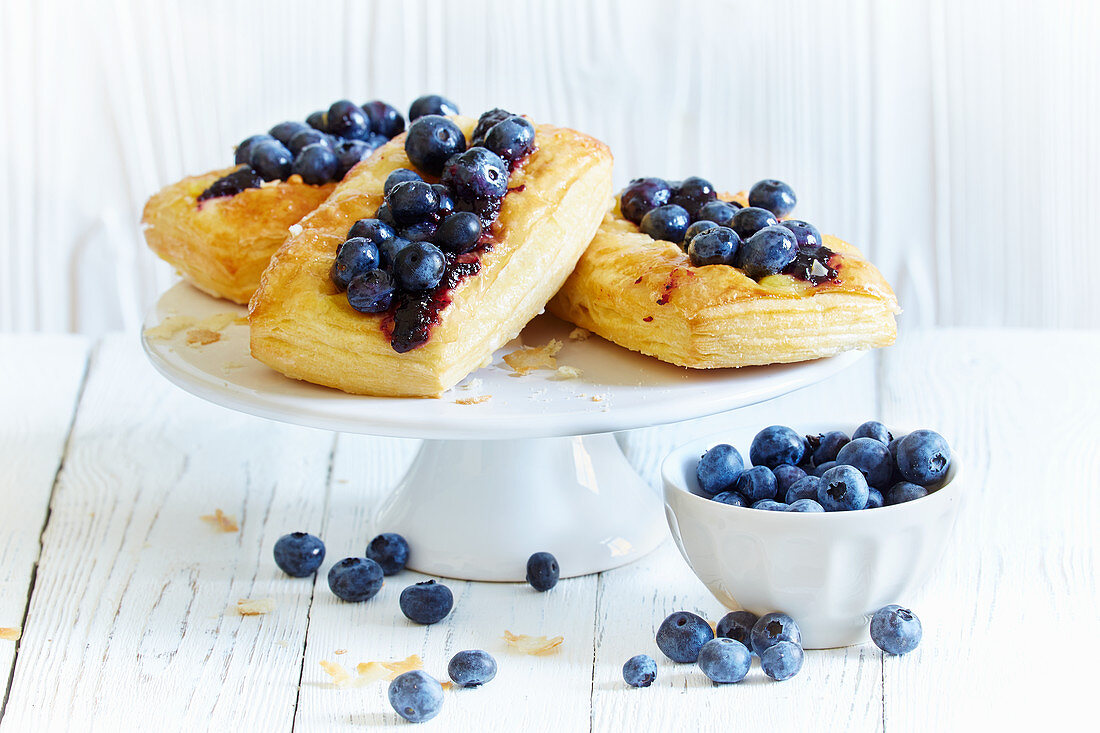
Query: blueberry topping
<point>401,175</point>
<point>431,104</point>
<point>737,625</point>
<point>757,483</point>
<point>348,153</point>
<point>271,160</point>
<point>640,671</point>
<point>476,173</point>
<point>421,231</point>
<point>486,208</point>
<point>390,551</point>
<point>244,149</point>
<point>716,246</point>
<point>895,630</point>
<point>232,184</point>
<point>767,252</point>
<point>720,212</point>
<point>284,132</point>
<point>718,469</point>
<point>772,628</point>
<point>427,602</point>
<point>782,660</point>
<point>371,292</point>
<point>542,571</point>
<point>682,635</point>
<point>804,505</point>
<point>299,554</point>
<point>316,164</point>
<point>775,196</point>
<point>354,257</point>
<point>697,228</point>
<point>827,445</point>
<point>693,193</point>
<point>487,121</point>
<point>642,196</point>
<point>804,488</point>
<point>308,136</point>
<point>512,139</point>
<point>923,457</point>
<point>668,223</point>
<point>416,696</point>
<point>806,234</point>
<point>873,429</point>
<point>431,140</point>
<point>384,119</point>
<point>347,119</point>
<point>776,445</point>
<point>843,489</point>
<point>730,497</point>
<point>472,668</point>
<point>870,457</point>
<point>385,215</point>
<point>355,579</point>
<point>318,121</point>
<point>724,660</point>
<point>390,248</point>
<point>372,229</point>
<point>748,221</point>
<point>459,232</point>
<point>412,201</point>
<point>904,491</point>
<point>419,266</point>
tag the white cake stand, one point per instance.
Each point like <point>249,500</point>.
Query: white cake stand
<point>534,467</point>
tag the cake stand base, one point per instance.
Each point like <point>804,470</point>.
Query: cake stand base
<point>477,509</point>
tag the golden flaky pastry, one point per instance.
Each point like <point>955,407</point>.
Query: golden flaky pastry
<point>222,245</point>
<point>303,327</point>
<point>645,295</point>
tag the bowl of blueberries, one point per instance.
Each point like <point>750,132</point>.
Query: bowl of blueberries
<point>828,523</point>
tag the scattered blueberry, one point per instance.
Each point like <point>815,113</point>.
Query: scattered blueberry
<point>384,119</point>
<point>923,457</point>
<point>725,660</point>
<point>772,628</point>
<point>729,497</point>
<point>400,175</point>
<point>804,505</point>
<point>390,551</point>
<point>348,153</point>
<point>757,483</point>
<point>431,140</point>
<point>472,668</point>
<point>720,212</point>
<point>770,505</point>
<point>714,247</point>
<point>776,445</point>
<point>371,292</point>
<point>871,457</point>
<point>682,635</point>
<point>775,196</point>
<point>748,221</point>
<point>693,193</point>
<point>782,660</point>
<point>873,429</point>
<point>459,232</point>
<point>542,571</point>
<point>307,136</point>
<point>355,579</point>
<point>476,173</point>
<point>354,257</point>
<point>719,469</point>
<point>895,630</point>
<point>271,160</point>
<point>244,148</point>
<point>804,488</point>
<point>511,139</point>
<point>427,602</point>
<point>787,476</point>
<point>347,119</point>
<point>284,132</point>
<point>299,553</point>
<point>767,252</point>
<point>843,489</point>
<point>640,671</point>
<point>416,696</point>
<point>318,121</point>
<point>232,184</point>
<point>738,625</point>
<point>820,470</point>
<point>904,491</point>
<point>668,223</point>
<point>642,196</point>
<point>316,164</point>
<point>412,201</point>
<point>431,104</point>
<point>419,267</point>
<point>806,234</point>
<point>874,498</point>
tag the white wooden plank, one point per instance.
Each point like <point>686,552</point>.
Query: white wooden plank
<point>42,376</point>
<point>528,693</point>
<point>633,601</point>
<point>135,596</point>
<point>1006,643</point>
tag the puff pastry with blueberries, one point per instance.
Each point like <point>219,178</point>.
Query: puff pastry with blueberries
<point>431,255</point>
<point>675,273</point>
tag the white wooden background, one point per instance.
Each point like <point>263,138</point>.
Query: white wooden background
<point>956,141</point>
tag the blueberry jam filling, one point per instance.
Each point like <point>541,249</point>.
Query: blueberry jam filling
<point>752,239</point>
<point>345,134</point>
<point>429,236</point>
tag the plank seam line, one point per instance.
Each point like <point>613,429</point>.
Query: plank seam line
<point>595,650</point>
<point>88,359</point>
<point>316,579</point>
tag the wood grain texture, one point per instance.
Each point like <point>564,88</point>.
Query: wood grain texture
<point>953,142</point>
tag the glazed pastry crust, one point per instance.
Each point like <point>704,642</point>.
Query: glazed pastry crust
<point>223,245</point>
<point>303,327</point>
<point>645,295</point>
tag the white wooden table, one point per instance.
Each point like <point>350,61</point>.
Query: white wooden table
<point>126,599</point>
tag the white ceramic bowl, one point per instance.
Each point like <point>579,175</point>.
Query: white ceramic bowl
<point>829,571</point>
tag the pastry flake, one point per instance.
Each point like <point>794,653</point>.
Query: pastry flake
<point>527,359</point>
<point>255,606</point>
<point>533,645</point>
<point>10,633</point>
<point>221,521</point>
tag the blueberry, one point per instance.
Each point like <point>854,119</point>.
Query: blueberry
<point>718,469</point>
<point>767,252</point>
<point>472,668</point>
<point>371,292</point>
<point>542,571</point>
<point>787,476</point>
<point>446,204</point>
<point>729,497</point>
<point>725,660</point>
<point>737,625</point>
<point>416,696</point>
<point>775,196</point>
<point>782,660</point>
<point>308,136</point>
<point>682,635</point>
<point>373,230</point>
<point>923,457</point>
<point>431,104</point>
<point>459,232</point>
<point>384,119</point>
<point>476,173</point>
<point>893,448</point>
<point>376,141</point>
<point>874,499</point>
<point>487,121</point>
<point>385,215</point>
<point>904,491</point>
<point>843,489</point>
<point>871,457</point>
<point>431,140</point>
<point>776,445</point>
<point>421,231</point>
<point>804,505</point>
<point>486,208</point>
<point>770,505</point>
<point>347,119</point>
<point>244,148</point>
<point>271,160</point>
<point>693,193</point>
<point>720,212</point>
<point>640,671</point>
<point>748,221</point>
<point>511,139</point>
<point>299,553</point>
<point>827,445</point>
<point>714,247</point>
<point>348,153</point>
<point>390,551</point>
<point>804,488</point>
<point>873,429</point>
<point>400,175</point>
<point>318,121</point>
<point>820,470</point>
<point>642,196</point>
<point>757,483</point>
<point>354,257</point>
<point>895,630</point>
<point>773,628</point>
<point>412,201</point>
<point>390,248</point>
<point>419,267</point>
<point>696,228</point>
<point>806,234</point>
<point>355,579</point>
<point>316,164</point>
<point>668,223</point>
<point>284,132</point>
<point>427,602</point>
<point>232,184</point>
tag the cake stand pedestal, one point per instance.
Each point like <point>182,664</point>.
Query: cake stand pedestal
<point>510,465</point>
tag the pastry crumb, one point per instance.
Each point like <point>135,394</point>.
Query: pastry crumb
<point>567,372</point>
<point>473,385</point>
<point>446,684</point>
<point>202,337</point>
<point>283,643</point>
<point>341,651</point>
<point>295,229</point>
<point>579,334</point>
<point>10,633</point>
<point>339,675</point>
<point>221,521</point>
<point>529,358</point>
<point>474,400</point>
<point>533,645</point>
<point>598,398</point>
<point>255,606</point>
<point>169,327</point>
<point>231,366</point>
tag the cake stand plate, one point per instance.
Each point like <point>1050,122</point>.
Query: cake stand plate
<point>510,465</point>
